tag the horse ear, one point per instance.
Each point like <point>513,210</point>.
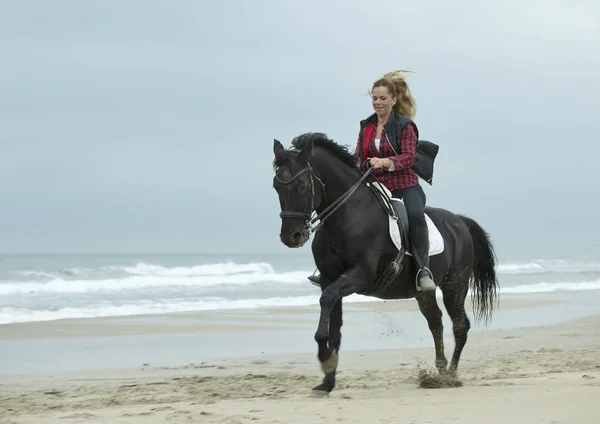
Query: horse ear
<point>305,152</point>
<point>277,147</point>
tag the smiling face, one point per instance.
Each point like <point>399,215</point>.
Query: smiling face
<point>383,101</point>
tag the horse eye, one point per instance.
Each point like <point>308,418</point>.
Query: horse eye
<point>302,188</point>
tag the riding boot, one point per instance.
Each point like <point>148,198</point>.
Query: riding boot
<point>424,277</point>
<point>315,280</point>
<point>425,280</point>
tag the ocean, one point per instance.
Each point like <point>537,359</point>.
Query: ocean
<point>50,287</point>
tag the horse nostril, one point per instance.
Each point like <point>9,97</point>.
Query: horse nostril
<point>297,237</point>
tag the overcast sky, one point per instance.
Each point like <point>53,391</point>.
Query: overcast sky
<point>148,126</point>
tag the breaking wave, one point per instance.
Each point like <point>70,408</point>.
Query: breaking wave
<point>42,295</point>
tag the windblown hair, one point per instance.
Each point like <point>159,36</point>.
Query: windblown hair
<point>396,84</point>
<point>317,139</point>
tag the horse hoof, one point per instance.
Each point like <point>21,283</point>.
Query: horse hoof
<point>321,390</point>
<point>319,393</point>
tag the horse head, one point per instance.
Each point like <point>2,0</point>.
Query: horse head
<point>294,182</point>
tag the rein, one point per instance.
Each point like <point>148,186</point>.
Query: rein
<point>329,210</point>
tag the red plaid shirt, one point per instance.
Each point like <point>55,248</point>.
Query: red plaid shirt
<point>402,176</point>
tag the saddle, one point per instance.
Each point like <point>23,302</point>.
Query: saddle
<point>402,218</point>
<point>397,211</point>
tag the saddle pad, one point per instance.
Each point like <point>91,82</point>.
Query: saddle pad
<point>436,241</point>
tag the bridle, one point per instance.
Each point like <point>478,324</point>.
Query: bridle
<point>307,214</point>
<point>309,204</point>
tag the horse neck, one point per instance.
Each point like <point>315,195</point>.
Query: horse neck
<point>337,177</point>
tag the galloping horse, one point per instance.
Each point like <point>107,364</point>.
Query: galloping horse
<point>352,247</point>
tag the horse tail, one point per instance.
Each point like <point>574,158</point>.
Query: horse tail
<point>484,283</point>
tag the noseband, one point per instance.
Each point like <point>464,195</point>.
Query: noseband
<point>309,204</point>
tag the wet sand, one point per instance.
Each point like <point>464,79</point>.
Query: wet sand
<point>268,319</point>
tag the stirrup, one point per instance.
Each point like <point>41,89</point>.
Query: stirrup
<point>419,276</point>
<point>315,280</point>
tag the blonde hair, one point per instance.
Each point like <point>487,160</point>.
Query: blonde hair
<point>396,84</point>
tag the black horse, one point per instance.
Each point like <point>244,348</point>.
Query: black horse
<point>353,246</point>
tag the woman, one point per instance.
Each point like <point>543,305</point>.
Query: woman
<point>387,141</point>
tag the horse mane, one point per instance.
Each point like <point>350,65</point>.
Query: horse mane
<point>317,139</point>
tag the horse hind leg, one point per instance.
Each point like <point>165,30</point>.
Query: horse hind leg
<point>433,314</point>
<point>455,293</point>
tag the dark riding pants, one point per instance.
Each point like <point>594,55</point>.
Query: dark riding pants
<point>414,198</point>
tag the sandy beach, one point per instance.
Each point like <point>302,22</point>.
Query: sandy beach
<point>525,374</point>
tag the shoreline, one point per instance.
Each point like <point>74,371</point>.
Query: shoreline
<point>221,320</point>
<point>178,339</point>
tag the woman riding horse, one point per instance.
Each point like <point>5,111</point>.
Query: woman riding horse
<point>387,141</point>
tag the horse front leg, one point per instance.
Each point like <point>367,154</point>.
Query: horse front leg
<point>328,354</point>
<point>328,335</point>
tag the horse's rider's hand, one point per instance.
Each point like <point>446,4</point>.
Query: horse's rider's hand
<point>380,162</point>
